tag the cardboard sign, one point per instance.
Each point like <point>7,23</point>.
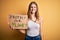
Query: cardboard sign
<point>18,21</point>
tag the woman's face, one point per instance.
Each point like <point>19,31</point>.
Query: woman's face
<point>33,8</point>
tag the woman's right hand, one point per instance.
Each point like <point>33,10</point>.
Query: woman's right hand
<point>10,26</point>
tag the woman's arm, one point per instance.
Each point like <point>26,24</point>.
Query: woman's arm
<point>41,27</point>
<point>23,31</point>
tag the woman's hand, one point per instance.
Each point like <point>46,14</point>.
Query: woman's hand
<point>10,26</point>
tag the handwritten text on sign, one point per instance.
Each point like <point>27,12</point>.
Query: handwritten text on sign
<point>18,21</point>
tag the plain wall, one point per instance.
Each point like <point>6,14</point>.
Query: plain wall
<point>48,9</point>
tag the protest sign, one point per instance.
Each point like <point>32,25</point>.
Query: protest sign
<point>18,21</point>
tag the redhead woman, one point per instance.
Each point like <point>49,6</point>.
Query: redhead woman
<point>34,30</point>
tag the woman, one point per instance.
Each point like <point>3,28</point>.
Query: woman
<point>34,31</point>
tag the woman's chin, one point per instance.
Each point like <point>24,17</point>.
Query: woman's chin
<point>33,12</point>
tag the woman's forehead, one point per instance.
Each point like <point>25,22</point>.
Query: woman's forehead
<point>33,4</point>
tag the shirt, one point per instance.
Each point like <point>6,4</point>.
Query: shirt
<point>33,28</point>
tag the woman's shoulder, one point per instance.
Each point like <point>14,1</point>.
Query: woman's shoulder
<point>40,18</point>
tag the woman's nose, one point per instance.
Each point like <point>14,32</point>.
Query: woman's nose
<point>33,8</point>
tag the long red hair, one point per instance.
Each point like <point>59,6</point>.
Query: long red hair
<point>36,13</point>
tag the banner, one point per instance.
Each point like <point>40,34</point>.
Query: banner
<point>18,21</point>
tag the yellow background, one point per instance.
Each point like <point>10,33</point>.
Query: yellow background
<point>48,9</point>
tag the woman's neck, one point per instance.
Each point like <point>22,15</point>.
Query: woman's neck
<point>33,14</point>
<point>33,17</point>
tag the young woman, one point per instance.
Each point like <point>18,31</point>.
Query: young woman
<point>34,31</point>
